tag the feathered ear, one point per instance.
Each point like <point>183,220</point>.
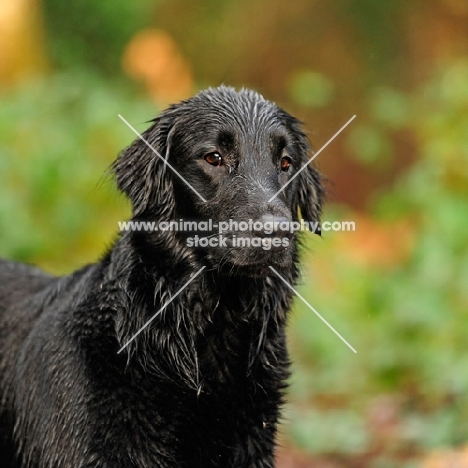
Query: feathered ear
<point>310,192</point>
<point>141,173</point>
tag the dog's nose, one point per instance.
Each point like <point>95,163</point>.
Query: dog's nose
<point>274,226</point>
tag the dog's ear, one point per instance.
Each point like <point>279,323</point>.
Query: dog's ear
<point>142,174</point>
<point>310,192</point>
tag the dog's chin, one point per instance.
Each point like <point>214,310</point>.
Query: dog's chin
<point>246,271</point>
<point>252,263</point>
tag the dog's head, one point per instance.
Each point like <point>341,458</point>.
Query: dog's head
<point>230,157</point>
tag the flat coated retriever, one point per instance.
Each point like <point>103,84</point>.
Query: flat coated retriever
<point>202,385</point>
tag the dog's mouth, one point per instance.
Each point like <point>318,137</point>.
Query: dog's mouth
<point>247,251</point>
<point>248,255</point>
<point>254,268</point>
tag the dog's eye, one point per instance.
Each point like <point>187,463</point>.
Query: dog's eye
<point>285,163</point>
<point>214,159</point>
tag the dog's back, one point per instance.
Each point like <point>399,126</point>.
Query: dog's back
<point>35,353</point>
<point>19,284</point>
<point>18,281</point>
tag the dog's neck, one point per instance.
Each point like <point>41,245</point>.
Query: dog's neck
<point>182,339</point>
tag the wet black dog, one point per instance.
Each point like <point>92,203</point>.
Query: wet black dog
<point>202,385</point>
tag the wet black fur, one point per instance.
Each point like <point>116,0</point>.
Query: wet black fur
<point>202,386</point>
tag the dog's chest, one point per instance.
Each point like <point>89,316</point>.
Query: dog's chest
<point>209,428</point>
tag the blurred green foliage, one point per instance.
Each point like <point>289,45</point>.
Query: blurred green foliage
<point>55,150</point>
<point>310,89</point>
<point>408,321</point>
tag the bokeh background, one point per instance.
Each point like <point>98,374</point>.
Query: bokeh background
<point>396,288</point>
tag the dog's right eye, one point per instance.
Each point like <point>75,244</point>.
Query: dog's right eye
<point>214,159</point>
<point>285,163</point>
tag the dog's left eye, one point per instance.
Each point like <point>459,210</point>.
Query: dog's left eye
<point>285,163</point>
<point>214,159</point>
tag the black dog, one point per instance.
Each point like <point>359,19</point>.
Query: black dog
<point>202,385</point>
